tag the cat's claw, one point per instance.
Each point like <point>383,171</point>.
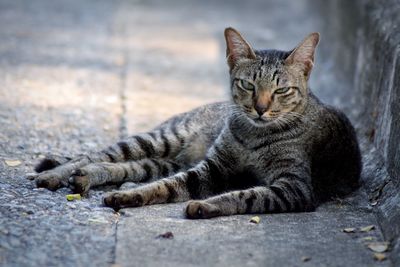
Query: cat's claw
<point>201,210</point>
<point>118,200</point>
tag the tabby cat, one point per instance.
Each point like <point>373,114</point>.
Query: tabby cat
<point>274,147</point>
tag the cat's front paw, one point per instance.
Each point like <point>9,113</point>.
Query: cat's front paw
<point>118,200</point>
<point>201,210</point>
<point>79,182</point>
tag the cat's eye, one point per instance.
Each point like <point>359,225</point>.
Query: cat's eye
<point>282,90</point>
<point>246,85</point>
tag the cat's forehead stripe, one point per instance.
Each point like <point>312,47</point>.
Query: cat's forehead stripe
<point>273,75</point>
<point>255,76</point>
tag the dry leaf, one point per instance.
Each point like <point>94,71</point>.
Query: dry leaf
<point>72,197</point>
<point>12,163</point>
<point>349,230</point>
<point>379,256</point>
<point>255,220</point>
<point>305,258</point>
<point>167,235</point>
<point>378,246</point>
<point>368,238</point>
<point>367,228</point>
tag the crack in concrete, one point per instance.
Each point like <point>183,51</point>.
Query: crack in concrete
<point>114,249</point>
<point>122,124</point>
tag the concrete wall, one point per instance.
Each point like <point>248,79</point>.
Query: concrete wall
<point>368,56</point>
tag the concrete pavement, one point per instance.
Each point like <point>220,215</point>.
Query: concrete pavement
<point>77,75</point>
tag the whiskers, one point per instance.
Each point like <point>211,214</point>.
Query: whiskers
<point>282,122</point>
<point>288,121</point>
<point>242,117</point>
<point>239,113</point>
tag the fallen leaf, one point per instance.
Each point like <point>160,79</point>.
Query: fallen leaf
<point>367,228</point>
<point>72,197</point>
<point>374,203</point>
<point>368,238</point>
<point>349,230</point>
<point>167,235</point>
<point>378,246</point>
<point>379,256</point>
<point>12,163</point>
<point>305,258</point>
<point>255,220</point>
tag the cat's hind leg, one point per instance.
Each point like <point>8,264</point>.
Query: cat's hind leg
<point>166,142</point>
<point>144,170</point>
<point>45,165</point>
<point>57,177</point>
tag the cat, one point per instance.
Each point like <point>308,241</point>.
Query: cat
<point>274,147</point>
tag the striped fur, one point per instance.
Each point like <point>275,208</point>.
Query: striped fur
<point>273,148</point>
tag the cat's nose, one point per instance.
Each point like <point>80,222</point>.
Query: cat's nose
<point>260,110</point>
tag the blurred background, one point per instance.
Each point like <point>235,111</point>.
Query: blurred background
<point>115,67</point>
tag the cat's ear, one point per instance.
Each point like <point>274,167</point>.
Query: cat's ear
<point>303,55</point>
<point>236,47</point>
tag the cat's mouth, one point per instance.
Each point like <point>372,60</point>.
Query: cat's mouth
<point>260,120</point>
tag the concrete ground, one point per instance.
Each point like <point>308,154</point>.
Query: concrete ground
<point>76,76</point>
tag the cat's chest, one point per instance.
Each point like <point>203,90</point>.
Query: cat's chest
<point>265,158</point>
<point>247,176</point>
<point>260,140</point>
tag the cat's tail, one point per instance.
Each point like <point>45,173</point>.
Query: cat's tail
<point>50,162</point>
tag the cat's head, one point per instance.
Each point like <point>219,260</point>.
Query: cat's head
<point>269,84</point>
